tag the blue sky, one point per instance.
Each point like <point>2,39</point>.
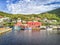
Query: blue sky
<point>28,6</point>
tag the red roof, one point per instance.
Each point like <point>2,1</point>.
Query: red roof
<point>37,23</point>
<point>34,23</point>
<point>30,23</point>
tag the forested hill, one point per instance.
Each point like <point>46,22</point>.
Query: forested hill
<point>57,12</point>
<point>54,14</point>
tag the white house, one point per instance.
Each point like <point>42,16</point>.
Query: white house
<point>1,19</point>
<point>4,19</point>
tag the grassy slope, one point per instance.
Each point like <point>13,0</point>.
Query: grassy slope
<point>57,12</point>
<point>53,12</point>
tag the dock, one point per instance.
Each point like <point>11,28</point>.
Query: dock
<point>3,30</point>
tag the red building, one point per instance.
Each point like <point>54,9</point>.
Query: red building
<point>30,24</point>
<point>34,24</point>
<point>18,24</point>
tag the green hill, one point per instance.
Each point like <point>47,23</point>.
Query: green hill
<point>54,14</point>
<point>57,12</point>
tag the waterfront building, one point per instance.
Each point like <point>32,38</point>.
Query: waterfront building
<point>34,24</point>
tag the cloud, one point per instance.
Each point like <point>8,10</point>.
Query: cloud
<point>31,6</point>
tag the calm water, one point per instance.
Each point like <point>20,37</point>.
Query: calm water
<point>30,38</point>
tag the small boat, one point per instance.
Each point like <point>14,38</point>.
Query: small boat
<point>49,28</point>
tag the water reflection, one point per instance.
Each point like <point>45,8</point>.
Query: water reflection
<point>29,37</point>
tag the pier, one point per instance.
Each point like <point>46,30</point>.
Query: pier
<point>3,30</point>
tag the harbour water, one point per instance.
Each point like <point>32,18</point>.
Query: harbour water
<point>27,37</point>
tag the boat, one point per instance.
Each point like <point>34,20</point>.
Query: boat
<point>49,28</point>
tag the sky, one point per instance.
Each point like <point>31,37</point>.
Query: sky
<point>28,6</point>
